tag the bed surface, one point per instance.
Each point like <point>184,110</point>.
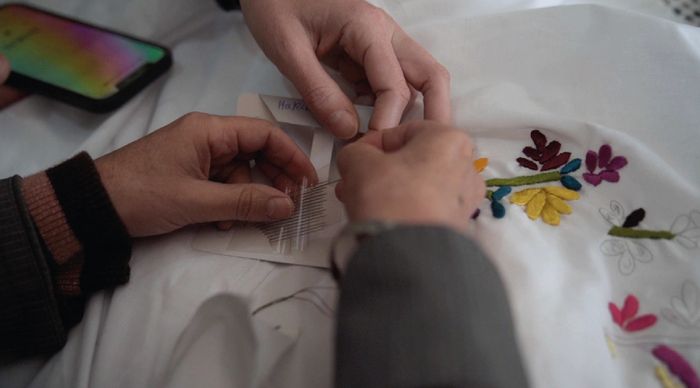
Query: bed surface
<point>605,82</point>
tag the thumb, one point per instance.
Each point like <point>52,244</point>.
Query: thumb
<point>322,95</point>
<point>212,201</point>
<point>4,69</point>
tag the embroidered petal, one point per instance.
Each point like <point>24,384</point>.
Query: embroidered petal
<point>531,153</point>
<point>539,139</point>
<point>535,206</point>
<point>497,209</point>
<point>570,183</point>
<point>571,166</point>
<point>550,215</point>
<point>615,313</point>
<point>610,176</point>
<point>617,163</point>
<point>631,307</point>
<point>604,155</point>
<point>524,196</point>
<point>593,179</point>
<point>641,323</point>
<point>501,192</point>
<point>634,218</point>
<point>558,204</point>
<point>679,366</point>
<point>562,193</point>
<point>527,163</point>
<point>556,161</point>
<point>591,161</point>
<point>550,151</point>
<point>480,164</point>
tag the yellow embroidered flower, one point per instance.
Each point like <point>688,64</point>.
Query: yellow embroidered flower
<point>546,202</point>
<point>481,164</point>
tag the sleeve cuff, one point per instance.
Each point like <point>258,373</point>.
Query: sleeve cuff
<point>90,215</point>
<point>229,5</point>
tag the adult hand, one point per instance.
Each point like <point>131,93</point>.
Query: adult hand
<point>196,170</point>
<point>418,173</point>
<point>364,44</point>
<point>8,95</point>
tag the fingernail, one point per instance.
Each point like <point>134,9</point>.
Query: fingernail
<point>279,207</point>
<point>343,124</point>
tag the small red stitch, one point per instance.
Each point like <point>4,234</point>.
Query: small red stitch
<point>550,151</point>
<point>531,153</point>
<point>557,161</point>
<point>527,163</point>
<point>641,323</point>
<point>539,139</point>
<point>604,155</point>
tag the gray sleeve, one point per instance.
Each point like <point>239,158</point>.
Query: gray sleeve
<point>423,307</point>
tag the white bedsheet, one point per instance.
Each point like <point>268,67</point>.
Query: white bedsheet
<point>584,75</point>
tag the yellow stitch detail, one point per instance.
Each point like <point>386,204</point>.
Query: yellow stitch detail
<point>562,193</point>
<point>664,378</point>
<point>536,205</point>
<point>611,346</point>
<point>524,196</point>
<point>550,215</point>
<point>558,204</point>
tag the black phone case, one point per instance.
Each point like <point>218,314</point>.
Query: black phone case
<point>151,73</point>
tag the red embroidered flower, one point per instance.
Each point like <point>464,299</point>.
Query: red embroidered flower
<point>607,164</point>
<point>627,317</point>
<point>545,154</point>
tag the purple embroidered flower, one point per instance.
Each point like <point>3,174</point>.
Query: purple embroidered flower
<point>607,165</point>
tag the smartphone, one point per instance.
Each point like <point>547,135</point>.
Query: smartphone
<point>75,62</point>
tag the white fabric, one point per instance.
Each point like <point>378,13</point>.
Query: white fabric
<point>585,75</point>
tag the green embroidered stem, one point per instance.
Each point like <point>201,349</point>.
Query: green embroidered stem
<point>489,194</point>
<point>619,231</point>
<point>552,176</point>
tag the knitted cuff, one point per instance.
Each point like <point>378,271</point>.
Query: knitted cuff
<point>49,218</point>
<point>93,220</point>
<point>58,237</point>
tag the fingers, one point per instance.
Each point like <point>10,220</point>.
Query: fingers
<point>245,135</point>
<point>393,139</point>
<point>369,44</point>
<point>357,155</point>
<point>4,69</point>
<point>238,172</point>
<point>425,74</point>
<point>323,96</point>
<point>8,95</point>
<point>211,201</point>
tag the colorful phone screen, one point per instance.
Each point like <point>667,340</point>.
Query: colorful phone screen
<point>71,55</point>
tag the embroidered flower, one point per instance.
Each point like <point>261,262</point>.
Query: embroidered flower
<point>627,317</point>
<point>545,154</point>
<point>497,208</point>
<point>545,202</point>
<point>607,164</point>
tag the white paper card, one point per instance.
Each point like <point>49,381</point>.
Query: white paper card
<point>294,118</point>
